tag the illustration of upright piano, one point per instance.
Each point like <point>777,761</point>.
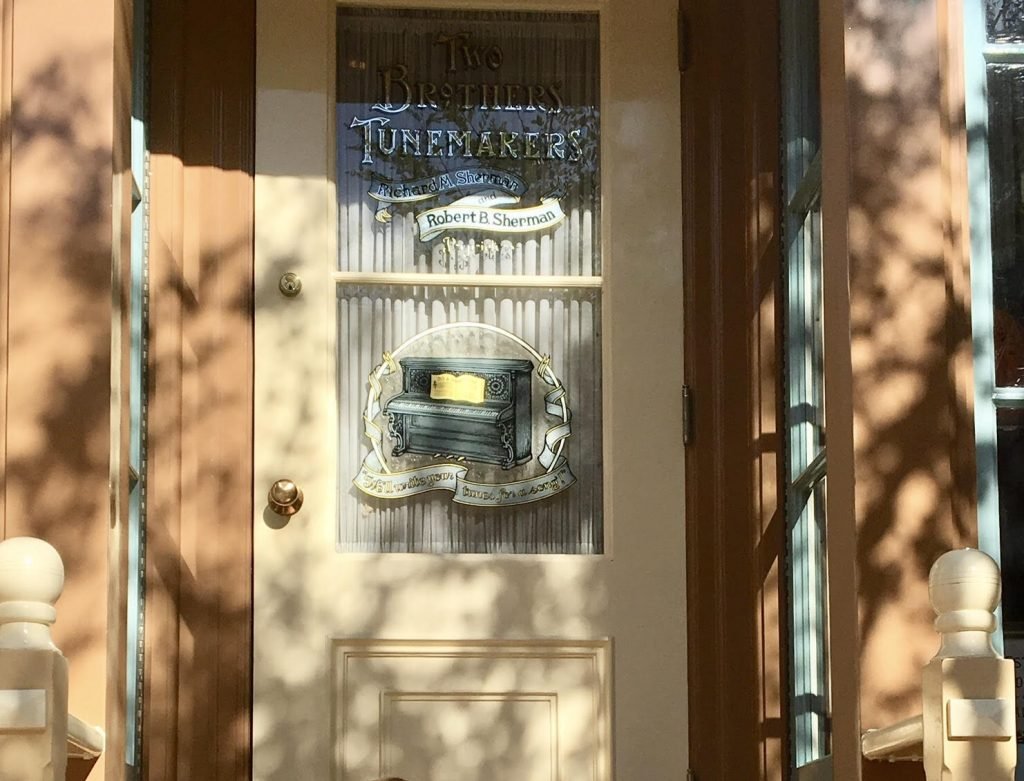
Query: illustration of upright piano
<point>473,408</point>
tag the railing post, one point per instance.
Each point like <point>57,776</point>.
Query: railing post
<point>967,689</point>
<point>33,672</point>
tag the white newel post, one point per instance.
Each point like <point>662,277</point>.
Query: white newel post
<point>967,689</point>
<point>33,672</point>
<point>967,730</point>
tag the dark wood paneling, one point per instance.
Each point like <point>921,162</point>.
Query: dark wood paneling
<point>736,529</point>
<point>199,550</point>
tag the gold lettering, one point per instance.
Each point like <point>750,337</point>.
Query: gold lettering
<point>507,150</point>
<point>512,97</point>
<point>451,44</point>
<point>395,76</point>
<point>493,57</point>
<point>534,94</point>
<point>426,92</point>
<point>575,148</point>
<point>457,140</point>
<point>411,139</point>
<point>434,148</point>
<point>530,146</point>
<point>556,146</point>
<point>489,96</point>
<point>470,56</point>
<point>386,149</point>
<point>465,89</point>
<point>485,147</point>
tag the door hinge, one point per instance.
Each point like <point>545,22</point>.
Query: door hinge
<point>690,775</point>
<point>687,415</point>
<point>683,33</point>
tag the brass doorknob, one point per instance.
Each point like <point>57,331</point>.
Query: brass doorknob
<point>284,497</point>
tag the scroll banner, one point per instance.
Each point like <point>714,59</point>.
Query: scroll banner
<point>464,214</point>
<point>389,193</point>
<point>376,479</point>
<point>452,477</point>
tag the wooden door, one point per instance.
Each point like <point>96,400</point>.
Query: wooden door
<point>469,361</point>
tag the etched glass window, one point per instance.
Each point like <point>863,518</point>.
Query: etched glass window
<point>469,282</point>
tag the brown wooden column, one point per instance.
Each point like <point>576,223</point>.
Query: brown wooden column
<point>63,219</point>
<point>735,519</point>
<point>198,617</point>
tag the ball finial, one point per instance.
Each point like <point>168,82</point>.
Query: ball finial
<point>964,587</point>
<point>31,571</point>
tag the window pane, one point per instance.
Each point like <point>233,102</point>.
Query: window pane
<point>805,368</point>
<point>1006,150</point>
<point>454,434</point>
<point>1005,20</point>
<point>810,653</point>
<point>1010,444</point>
<point>462,136</point>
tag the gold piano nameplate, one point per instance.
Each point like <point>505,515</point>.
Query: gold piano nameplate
<point>465,387</point>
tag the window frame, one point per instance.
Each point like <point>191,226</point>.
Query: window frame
<point>805,461</point>
<point>978,53</point>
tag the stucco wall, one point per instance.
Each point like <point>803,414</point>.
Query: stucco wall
<point>901,466</point>
<point>62,127</point>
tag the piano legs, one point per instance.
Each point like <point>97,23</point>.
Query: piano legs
<point>396,428</point>
<point>508,441</point>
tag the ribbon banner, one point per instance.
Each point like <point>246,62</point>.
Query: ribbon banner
<point>376,478</point>
<point>452,477</point>
<point>469,214</point>
<point>389,193</point>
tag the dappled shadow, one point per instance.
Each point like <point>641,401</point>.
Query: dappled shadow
<point>460,707</point>
<point>201,506</point>
<point>906,329</point>
<point>56,359</point>
<point>910,339</point>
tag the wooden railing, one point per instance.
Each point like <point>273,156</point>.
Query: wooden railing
<point>967,728</point>
<point>36,732</point>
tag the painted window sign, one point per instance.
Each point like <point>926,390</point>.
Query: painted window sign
<point>469,296</point>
